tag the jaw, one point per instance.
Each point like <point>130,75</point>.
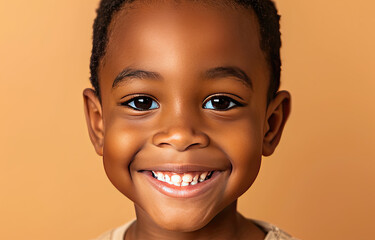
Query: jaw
<point>187,227</point>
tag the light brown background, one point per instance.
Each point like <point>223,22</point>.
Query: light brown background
<point>320,184</point>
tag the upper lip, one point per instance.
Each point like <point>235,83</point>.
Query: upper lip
<point>171,161</point>
<point>180,168</point>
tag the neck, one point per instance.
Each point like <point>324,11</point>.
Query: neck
<point>228,224</point>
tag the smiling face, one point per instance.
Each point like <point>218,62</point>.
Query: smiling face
<point>184,96</point>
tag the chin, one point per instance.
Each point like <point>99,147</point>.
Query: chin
<point>180,222</point>
<point>183,226</point>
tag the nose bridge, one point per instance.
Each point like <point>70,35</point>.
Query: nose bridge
<point>181,113</point>
<point>180,129</point>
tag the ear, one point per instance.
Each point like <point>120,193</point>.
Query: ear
<point>94,119</point>
<point>278,111</point>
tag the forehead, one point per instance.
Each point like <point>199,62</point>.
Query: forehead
<point>188,34</point>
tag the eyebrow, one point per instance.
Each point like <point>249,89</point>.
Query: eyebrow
<point>219,72</point>
<point>129,73</point>
<point>237,73</point>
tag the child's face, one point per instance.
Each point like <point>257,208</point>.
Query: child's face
<point>190,97</point>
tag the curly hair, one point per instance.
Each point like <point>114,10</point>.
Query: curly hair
<point>266,13</point>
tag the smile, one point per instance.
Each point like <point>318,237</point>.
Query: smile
<point>184,179</point>
<point>184,184</point>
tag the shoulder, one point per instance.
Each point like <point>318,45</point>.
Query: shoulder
<point>104,236</point>
<point>273,232</point>
<point>115,234</point>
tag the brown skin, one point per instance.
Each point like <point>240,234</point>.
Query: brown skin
<point>181,43</point>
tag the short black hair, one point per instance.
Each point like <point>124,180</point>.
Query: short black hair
<point>268,20</point>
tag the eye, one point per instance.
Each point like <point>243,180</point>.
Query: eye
<point>142,103</point>
<point>221,103</point>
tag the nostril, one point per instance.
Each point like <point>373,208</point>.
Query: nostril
<point>194,145</point>
<point>162,144</point>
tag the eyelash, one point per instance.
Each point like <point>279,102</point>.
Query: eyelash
<point>232,103</point>
<point>154,105</point>
<point>129,103</point>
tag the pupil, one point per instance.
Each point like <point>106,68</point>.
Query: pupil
<point>220,103</point>
<point>143,103</point>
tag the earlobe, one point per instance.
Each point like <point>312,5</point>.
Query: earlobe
<point>278,111</point>
<point>94,119</point>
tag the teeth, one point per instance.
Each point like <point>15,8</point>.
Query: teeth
<point>160,176</point>
<point>203,176</point>
<point>187,178</point>
<point>195,179</point>
<point>167,178</point>
<point>184,180</point>
<point>176,178</point>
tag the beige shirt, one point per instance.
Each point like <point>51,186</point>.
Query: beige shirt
<point>273,232</point>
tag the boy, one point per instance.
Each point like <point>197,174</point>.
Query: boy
<point>184,105</point>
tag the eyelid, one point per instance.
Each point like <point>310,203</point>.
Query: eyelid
<point>135,95</point>
<point>229,95</point>
<point>224,94</point>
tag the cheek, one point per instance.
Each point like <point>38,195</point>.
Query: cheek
<point>122,141</point>
<point>243,146</point>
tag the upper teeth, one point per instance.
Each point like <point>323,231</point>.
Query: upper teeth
<point>184,179</point>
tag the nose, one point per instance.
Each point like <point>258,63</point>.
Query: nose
<point>181,138</point>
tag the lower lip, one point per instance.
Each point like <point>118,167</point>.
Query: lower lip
<point>185,191</point>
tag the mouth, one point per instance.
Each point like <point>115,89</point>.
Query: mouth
<point>182,179</point>
<point>183,184</point>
